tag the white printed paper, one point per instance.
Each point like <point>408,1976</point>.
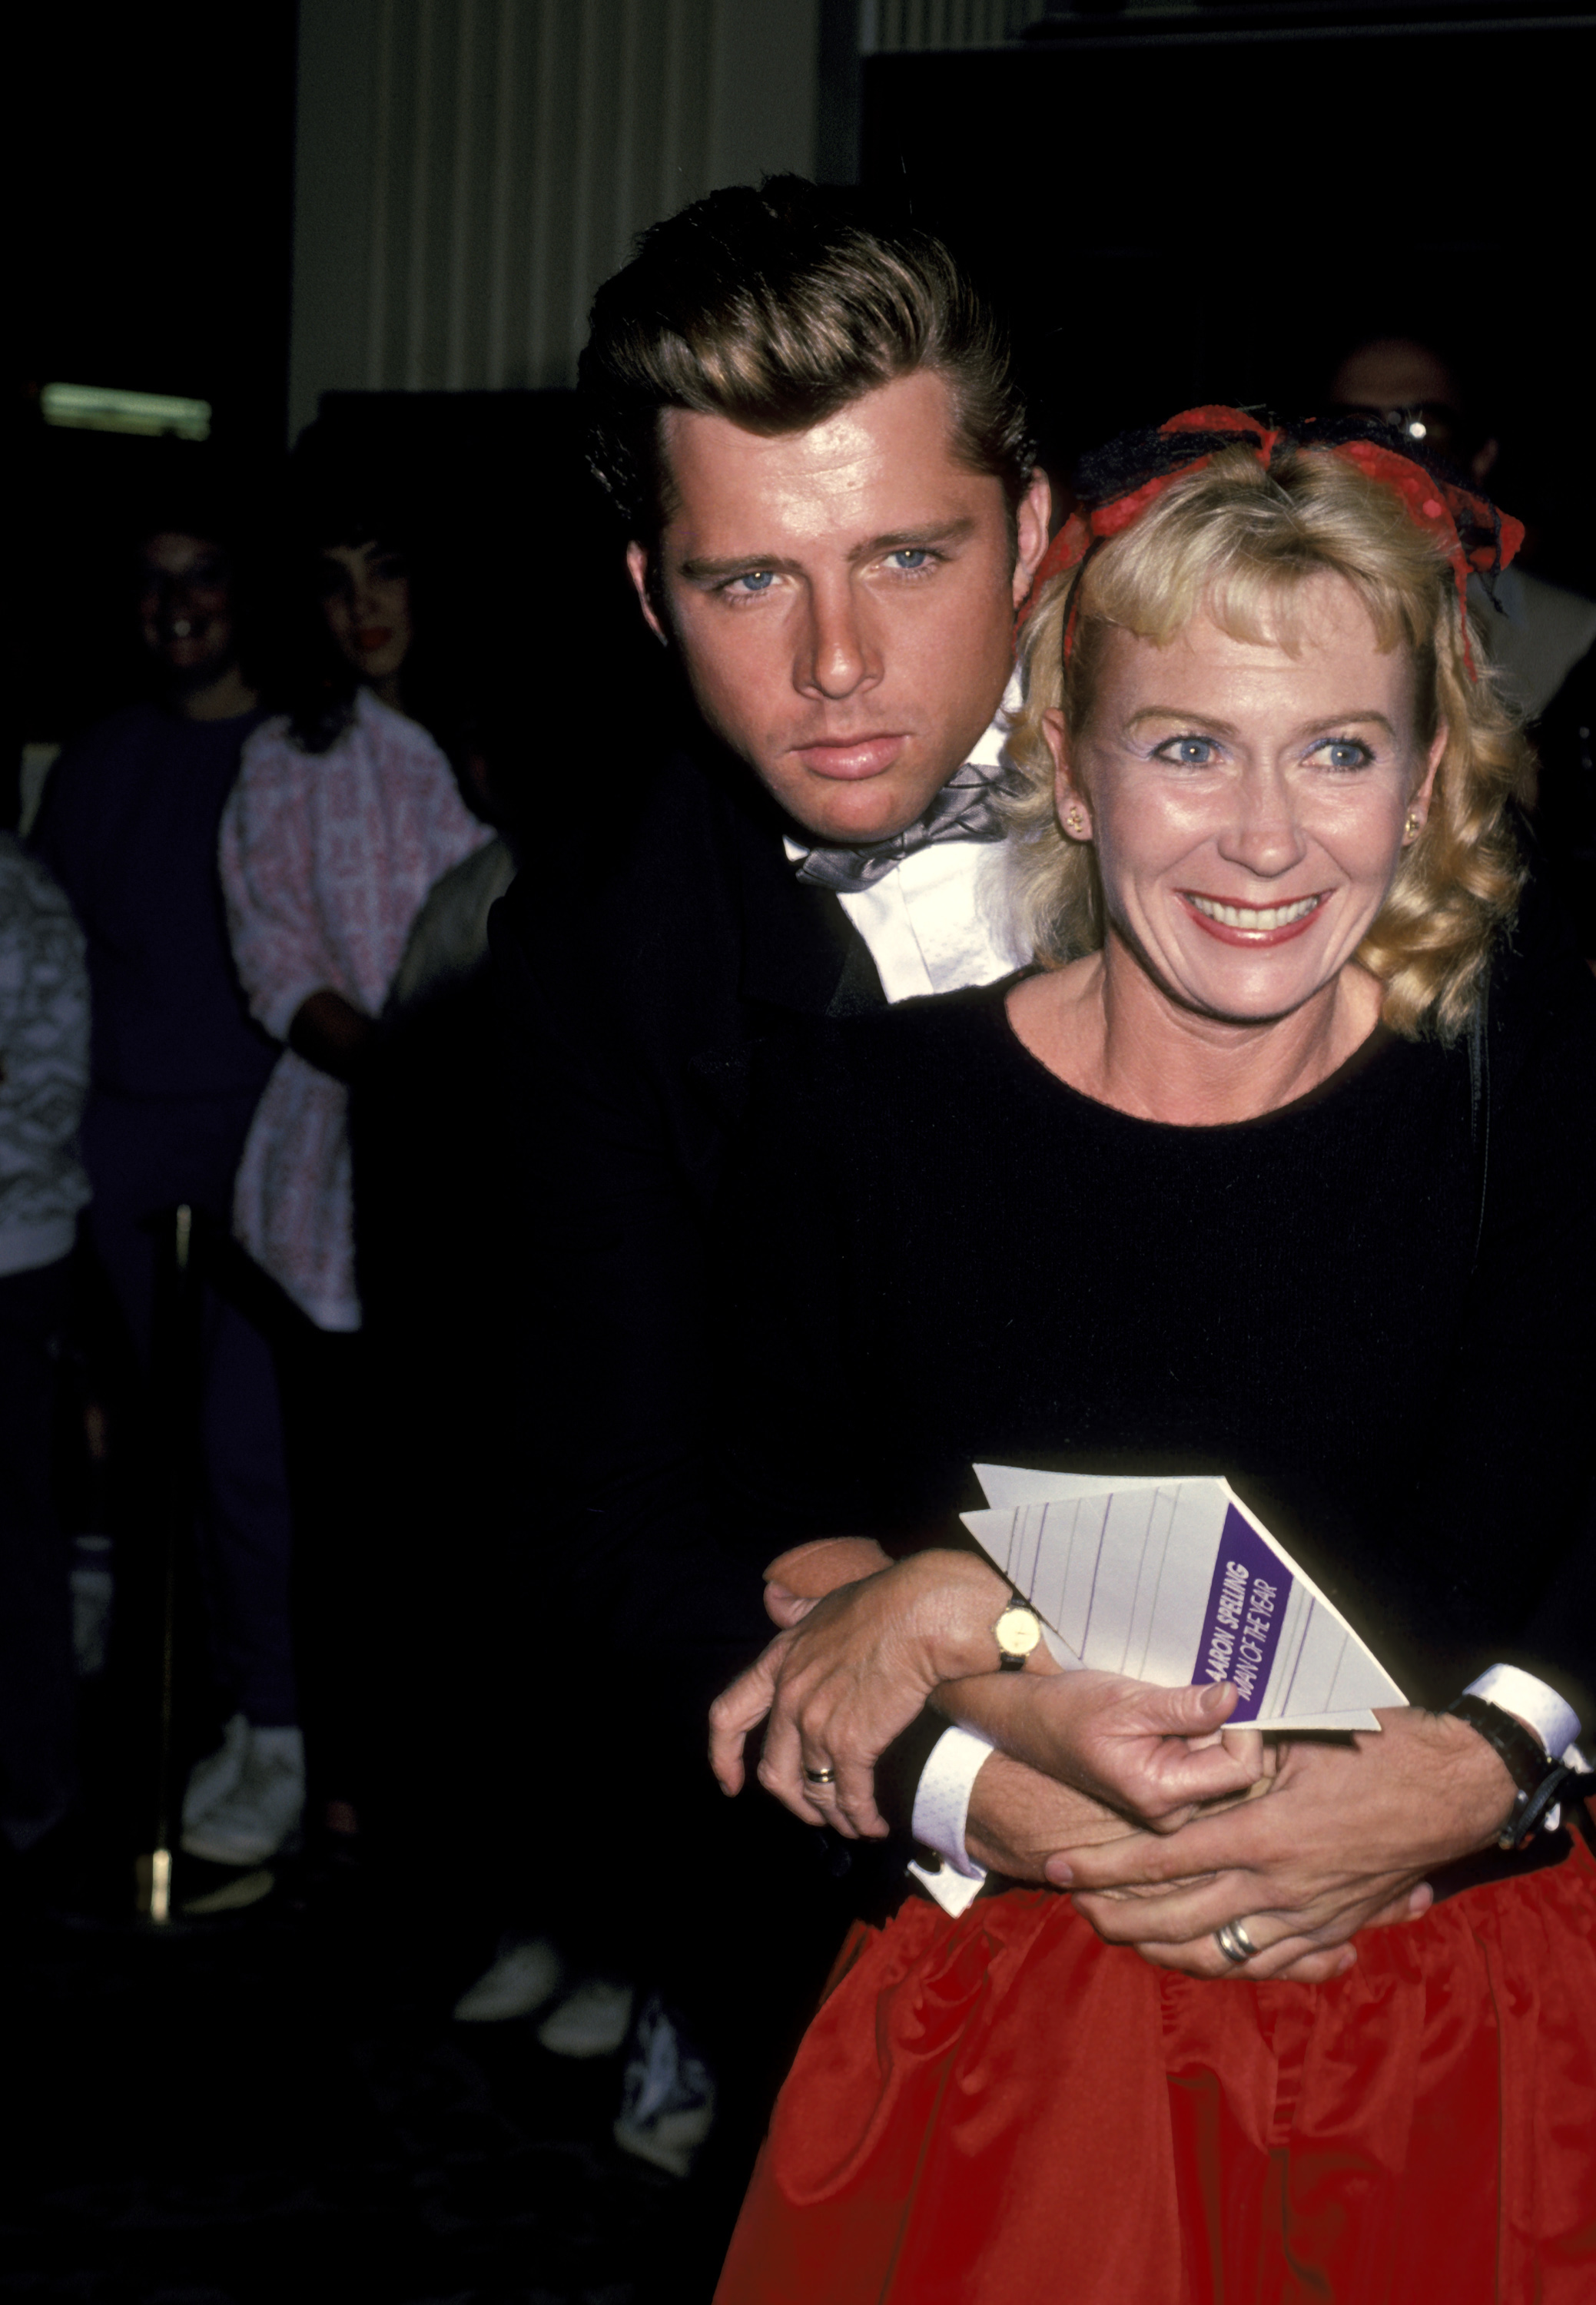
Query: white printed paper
<point>1173,1581</point>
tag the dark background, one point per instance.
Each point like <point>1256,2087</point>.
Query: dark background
<point>1218,213</point>
<point>154,151</point>
<point>1213,211</point>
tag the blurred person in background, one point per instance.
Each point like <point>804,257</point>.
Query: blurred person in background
<point>44,1074</point>
<point>344,814</point>
<point>1537,631</point>
<point>129,828</point>
<point>1564,740</point>
<point>1542,637</point>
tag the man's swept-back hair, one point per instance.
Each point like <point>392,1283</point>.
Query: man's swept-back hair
<point>775,308</point>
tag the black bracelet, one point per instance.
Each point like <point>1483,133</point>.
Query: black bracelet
<point>1539,1777</point>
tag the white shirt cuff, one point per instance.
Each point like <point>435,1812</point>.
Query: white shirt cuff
<point>941,1797</point>
<point>1552,1718</point>
<point>952,1891</point>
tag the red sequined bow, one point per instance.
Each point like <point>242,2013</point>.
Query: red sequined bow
<point>1471,532</point>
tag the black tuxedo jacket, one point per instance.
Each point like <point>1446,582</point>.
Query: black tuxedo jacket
<point>638,970</point>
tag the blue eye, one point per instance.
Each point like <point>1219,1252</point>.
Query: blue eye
<point>1346,752</point>
<point>1189,752</point>
<point>912,558</point>
<point>755,580</point>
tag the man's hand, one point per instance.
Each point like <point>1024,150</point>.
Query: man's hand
<point>1154,1754</point>
<point>845,1678</point>
<point>1019,1818</point>
<point>1343,1842</point>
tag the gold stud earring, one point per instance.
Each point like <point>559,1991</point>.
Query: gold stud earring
<point>1412,827</point>
<point>1075,824</point>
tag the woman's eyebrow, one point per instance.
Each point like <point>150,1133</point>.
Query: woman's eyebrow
<point>1361,717</point>
<point>1187,719</point>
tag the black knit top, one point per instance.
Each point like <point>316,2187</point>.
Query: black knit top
<point>1370,1310</point>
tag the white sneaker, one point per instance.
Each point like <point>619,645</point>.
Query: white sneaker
<point>668,2097</point>
<point>591,2022</point>
<point>213,1779</point>
<point>526,1972</point>
<point>264,1809</point>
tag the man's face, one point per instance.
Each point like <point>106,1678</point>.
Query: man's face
<point>1404,382</point>
<point>185,607</point>
<point>843,600</point>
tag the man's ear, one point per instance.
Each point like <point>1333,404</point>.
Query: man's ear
<point>1031,519</point>
<point>637,569</point>
<point>1069,802</point>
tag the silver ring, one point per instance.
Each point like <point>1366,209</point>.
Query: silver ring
<point>819,1776</point>
<point>1234,1943</point>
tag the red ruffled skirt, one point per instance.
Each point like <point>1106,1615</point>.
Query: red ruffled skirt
<point>1002,2109</point>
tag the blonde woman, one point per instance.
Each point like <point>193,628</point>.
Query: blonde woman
<point>1260,1173</point>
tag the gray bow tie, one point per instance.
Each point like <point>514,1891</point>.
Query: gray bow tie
<point>965,809</point>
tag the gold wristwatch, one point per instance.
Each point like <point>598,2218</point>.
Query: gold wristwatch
<point>1016,1632</point>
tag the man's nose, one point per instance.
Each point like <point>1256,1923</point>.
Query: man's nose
<point>838,653</point>
<point>1263,835</point>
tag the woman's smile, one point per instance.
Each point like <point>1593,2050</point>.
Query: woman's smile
<point>1247,803</point>
<point>1254,924</point>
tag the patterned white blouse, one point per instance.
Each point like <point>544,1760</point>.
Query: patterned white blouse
<point>326,859</point>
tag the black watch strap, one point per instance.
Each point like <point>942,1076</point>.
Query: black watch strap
<point>1538,1775</point>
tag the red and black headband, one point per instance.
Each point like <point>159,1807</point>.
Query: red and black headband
<point>1115,485</point>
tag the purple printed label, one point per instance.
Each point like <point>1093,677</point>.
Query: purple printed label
<point>1246,1608</point>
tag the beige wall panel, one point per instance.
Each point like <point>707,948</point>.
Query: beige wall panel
<point>468,171</point>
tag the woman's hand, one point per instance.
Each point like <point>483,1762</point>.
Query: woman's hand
<point>848,1678</point>
<point>1153,1753</point>
<point>1343,1842</point>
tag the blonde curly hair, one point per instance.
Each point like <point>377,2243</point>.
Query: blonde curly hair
<point>1238,543</point>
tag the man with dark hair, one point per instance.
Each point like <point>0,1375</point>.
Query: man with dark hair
<point>129,829</point>
<point>811,431</point>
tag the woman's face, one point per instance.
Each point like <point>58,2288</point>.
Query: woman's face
<point>1249,807</point>
<point>365,598</point>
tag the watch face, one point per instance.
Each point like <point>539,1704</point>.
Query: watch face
<point>1018,1631</point>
